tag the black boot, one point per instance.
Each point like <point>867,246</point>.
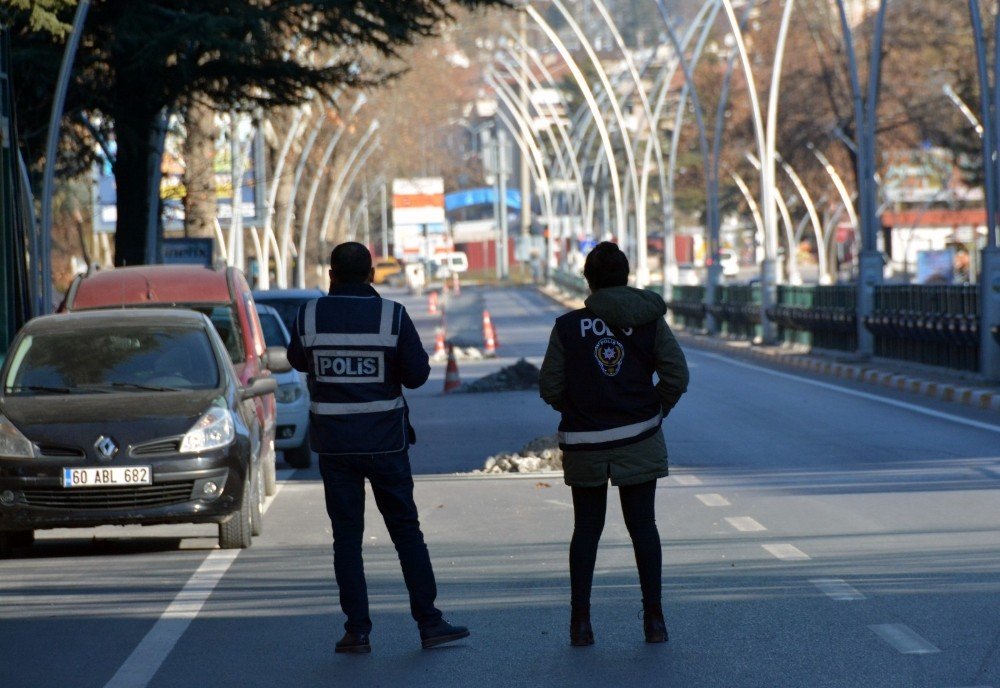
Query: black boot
<point>653,624</point>
<point>353,643</point>
<point>580,632</point>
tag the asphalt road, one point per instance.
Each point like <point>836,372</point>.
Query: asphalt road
<point>815,534</point>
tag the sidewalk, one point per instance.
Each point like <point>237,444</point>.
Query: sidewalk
<point>935,383</point>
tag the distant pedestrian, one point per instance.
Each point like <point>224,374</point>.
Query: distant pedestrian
<point>598,373</point>
<point>359,350</point>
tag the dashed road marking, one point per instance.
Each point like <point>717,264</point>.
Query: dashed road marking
<point>713,499</point>
<point>744,524</point>
<point>687,480</point>
<point>558,503</point>
<point>903,638</point>
<point>786,552</point>
<point>837,589</point>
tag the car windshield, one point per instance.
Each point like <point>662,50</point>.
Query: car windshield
<point>273,334</point>
<point>124,358</point>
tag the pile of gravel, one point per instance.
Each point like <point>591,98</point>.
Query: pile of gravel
<point>540,454</point>
<point>520,376</point>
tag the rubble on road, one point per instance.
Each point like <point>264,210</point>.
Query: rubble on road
<point>540,454</point>
<point>520,376</point>
<point>462,353</point>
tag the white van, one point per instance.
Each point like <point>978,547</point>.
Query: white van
<point>445,264</point>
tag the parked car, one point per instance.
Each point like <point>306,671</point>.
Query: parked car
<point>223,295</point>
<point>729,261</point>
<point>128,417</point>
<point>443,265</point>
<point>292,435</point>
<point>287,302</point>
<point>386,269</point>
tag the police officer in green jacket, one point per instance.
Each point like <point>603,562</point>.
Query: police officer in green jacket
<point>597,373</point>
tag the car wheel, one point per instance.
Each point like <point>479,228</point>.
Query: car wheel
<point>15,539</point>
<point>236,532</point>
<point>300,456</point>
<point>270,473</point>
<point>257,514</point>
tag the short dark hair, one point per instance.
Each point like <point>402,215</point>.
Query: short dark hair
<point>351,262</point>
<point>606,266</point>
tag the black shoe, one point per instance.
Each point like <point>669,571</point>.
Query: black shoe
<point>353,643</point>
<point>580,632</point>
<point>653,624</point>
<point>441,633</point>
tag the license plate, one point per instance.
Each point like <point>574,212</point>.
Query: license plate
<point>112,476</point>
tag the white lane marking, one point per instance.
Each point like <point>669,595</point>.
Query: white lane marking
<point>686,480</point>
<point>713,499</point>
<point>146,659</point>
<point>558,503</point>
<point>786,552</point>
<point>744,524</point>
<point>863,395</point>
<point>903,638</point>
<point>148,656</point>
<point>837,589</point>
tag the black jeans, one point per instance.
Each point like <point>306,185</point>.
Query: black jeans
<point>392,483</point>
<point>589,506</point>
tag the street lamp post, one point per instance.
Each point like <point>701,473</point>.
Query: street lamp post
<point>300,267</point>
<point>594,109</point>
<point>989,276</point>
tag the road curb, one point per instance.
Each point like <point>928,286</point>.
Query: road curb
<point>987,399</point>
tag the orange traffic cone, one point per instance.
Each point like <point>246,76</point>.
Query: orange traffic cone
<point>487,323</point>
<point>454,284</point>
<point>489,341</point>
<point>432,303</point>
<point>439,341</point>
<point>451,380</point>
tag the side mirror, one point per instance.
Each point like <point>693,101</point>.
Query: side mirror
<point>276,359</point>
<point>258,387</point>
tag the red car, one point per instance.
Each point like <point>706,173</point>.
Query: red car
<point>223,295</point>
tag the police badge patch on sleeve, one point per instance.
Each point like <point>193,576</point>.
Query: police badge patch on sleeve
<point>609,353</point>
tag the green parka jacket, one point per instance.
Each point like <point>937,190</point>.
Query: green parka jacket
<point>646,459</point>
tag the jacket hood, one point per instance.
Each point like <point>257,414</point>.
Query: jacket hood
<point>626,306</point>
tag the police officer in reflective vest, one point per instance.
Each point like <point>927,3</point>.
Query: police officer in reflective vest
<point>597,373</point>
<point>359,350</point>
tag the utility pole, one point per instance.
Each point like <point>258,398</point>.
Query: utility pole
<point>523,174</point>
<point>385,221</point>
<point>502,258</point>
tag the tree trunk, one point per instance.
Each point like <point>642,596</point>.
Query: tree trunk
<point>137,132</point>
<point>200,205</point>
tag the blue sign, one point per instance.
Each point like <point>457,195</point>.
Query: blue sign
<point>484,195</point>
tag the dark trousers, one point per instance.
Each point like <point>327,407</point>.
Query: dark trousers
<point>589,507</point>
<point>392,483</point>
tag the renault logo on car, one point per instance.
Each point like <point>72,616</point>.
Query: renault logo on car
<point>106,448</point>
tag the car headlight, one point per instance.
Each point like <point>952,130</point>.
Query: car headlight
<point>288,393</point>
<point>213,430</point>
<point>14,445</point>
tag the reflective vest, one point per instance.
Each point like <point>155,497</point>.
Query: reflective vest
<point>610,400</point>
<point>357,405</point>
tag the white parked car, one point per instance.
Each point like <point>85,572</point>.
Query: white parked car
<point>292,397</point>
<point>730,262</point>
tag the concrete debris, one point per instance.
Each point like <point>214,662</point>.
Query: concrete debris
<point>467,353</point>
<point>520,376</point>
<point>540,454</point>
